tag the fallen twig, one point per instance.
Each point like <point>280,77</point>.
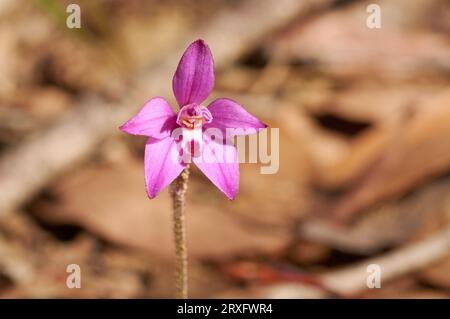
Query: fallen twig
<point>352,280</point>
<point>14,264</point>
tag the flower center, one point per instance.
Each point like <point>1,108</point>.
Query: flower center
<point>193,116</point>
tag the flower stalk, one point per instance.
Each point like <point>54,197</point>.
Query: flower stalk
<point>178,190</point>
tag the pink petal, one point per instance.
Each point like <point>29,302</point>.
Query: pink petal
<point>156,119</point>
<point>194,79</point>
<point>227,113</point>
<point>220,164</point>
<point>160,168</point>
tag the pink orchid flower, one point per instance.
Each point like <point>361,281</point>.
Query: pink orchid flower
<point>192,84</point>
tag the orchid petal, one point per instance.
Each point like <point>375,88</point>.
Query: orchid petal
<point>160,168</point>
<point>219,162</point>
<point>155,119</point>
<point>227,113</point>
<point>194,78</point>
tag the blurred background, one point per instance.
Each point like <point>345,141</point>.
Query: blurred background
<point>364,175</point>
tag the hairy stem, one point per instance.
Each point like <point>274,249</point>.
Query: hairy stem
<point>178,190</point>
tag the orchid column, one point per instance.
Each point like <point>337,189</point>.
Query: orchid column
<point>196,134</point>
